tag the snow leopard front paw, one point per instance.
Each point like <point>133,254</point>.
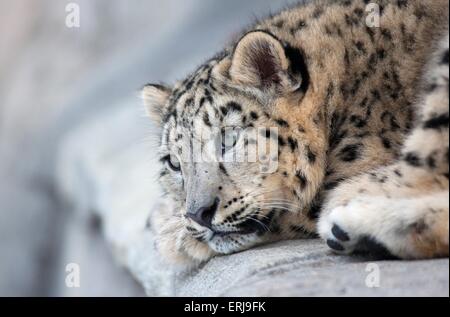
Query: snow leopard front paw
<point>349,230</point>
<point>406,228</point>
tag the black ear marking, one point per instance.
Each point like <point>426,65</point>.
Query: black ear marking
<point>298,66</point>
<point>157,86</point>
<point>263,61</point>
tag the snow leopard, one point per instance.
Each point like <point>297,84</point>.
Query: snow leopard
<point>355,105</point>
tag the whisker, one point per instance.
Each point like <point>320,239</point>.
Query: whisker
<point>261,215</point>
<point>287,203</point>
<point>279,204</point>
<point>265,193</point>
<point>281,207</point>
<point>281,200</point>
<point>260,222</point>
<point>273,202</point>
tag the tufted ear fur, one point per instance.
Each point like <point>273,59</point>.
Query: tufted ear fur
<point>260,60</point>
<point>155,99</point>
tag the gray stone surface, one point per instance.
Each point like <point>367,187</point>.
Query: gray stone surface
<point>113,172</point>
<point>308,268</point>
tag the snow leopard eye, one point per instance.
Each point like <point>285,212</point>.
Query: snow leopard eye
<point>173,163</point>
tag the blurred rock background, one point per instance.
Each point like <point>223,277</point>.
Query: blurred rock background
<point>51,78</point>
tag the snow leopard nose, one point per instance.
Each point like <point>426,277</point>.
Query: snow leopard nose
<point>204,215</point>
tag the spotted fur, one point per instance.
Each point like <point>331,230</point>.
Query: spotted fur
<point>362,133</point>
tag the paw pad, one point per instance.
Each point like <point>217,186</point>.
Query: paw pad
<point>335,245</point>
<point>340,241</point>
<point>339,233</point>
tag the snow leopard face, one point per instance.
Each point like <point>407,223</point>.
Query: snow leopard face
<point>228,144</point>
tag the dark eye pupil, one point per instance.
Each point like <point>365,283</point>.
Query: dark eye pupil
<point>173,163</point>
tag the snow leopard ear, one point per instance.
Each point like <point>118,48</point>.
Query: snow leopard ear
<point>262,61</point>
<point>155,99</point>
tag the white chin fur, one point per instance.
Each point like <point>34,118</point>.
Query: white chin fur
<point>232,243</point>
